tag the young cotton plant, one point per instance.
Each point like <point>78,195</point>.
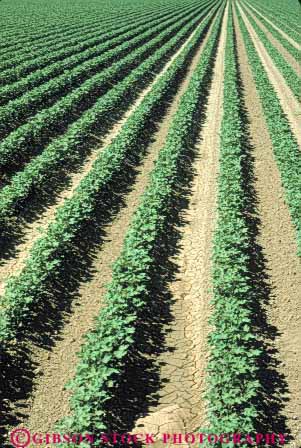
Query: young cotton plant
<point>233,385</point>
<point>286,151</point>
<point>129,293</point>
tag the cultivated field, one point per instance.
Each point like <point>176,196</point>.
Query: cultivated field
<point>150,214</point>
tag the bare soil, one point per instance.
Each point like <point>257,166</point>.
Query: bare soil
<point>281,265</point>
<point>180,407</point>
<point>49,401</point>
<point>289,103</point>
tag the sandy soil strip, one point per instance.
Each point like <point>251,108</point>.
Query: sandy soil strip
<point>290,59</point>
<point>289,39</point>
<point>288,102</point>
<point>277,239</point>
<point>37,228</point>
<point>49,401</point>
<point>181,408</point>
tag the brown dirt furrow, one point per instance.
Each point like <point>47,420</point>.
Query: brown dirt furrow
<point>49,401</point>
<point>289,58</point>
<point>289,39</point>
<point>277,242</point>
<point>289,104</point>
<point>34,230</point>
<point>180,408</point>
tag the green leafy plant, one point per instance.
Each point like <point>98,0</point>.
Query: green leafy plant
<point>49,252</point>
<point>233,385</point>
<point>281,18</point>
<point>51,122</point>
<point>285,146</point>
<point>42,70</point>
<point>69,148</point>
<point>289,74</point>
<point>284,42</point>
<point>121,60</point>
<point>104,354</point>
<point>63,45</point>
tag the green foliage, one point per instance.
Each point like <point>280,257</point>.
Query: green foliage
<point>282,17</point>
<point>285,146</point>
<point>47,123</point>
<point>49,253</point>
<point>83,58</point>
<point>104,354</point>
<point>289,10</point>
<point>67,43</point>
<point>70,146</point>
<point>232,368</point>
<point>289,74</point>
<point>98,79</point>
<point>284,42</point>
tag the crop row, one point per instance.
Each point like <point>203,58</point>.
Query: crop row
<point>20,144</point>
<point>279,21</point>
<point>51,42</point>
<point>81,42</point>
<point>67,36</point>
<point>19,16</point>
<point>285,146</point>
<point>233,364</point>
<point>106,352</point>
<point>55,49</point>
<point>284,42</point>
<point>17,38</point>
<point>98,46</point>
<point>56,30</point>
<point>49,253</point>
<point>29,30</point>
<point>132,51</point>
<point>12,75</point>
<point>289,74</point>
<point>289,11</point>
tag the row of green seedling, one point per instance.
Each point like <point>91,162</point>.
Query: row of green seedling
<point>70,147</point>
<point>54,42</point>
<point>285,146</point>
<point>280,21</point>
<point>49,122</point>
<point>289,74</point>
<point>25,71</point>
<point>49,253</point>
<point>69,40</point>
<point>108,348</point>
<point>98,73</point>
<point>38,70</point>
<point>19,38</point>
<point>233,384</point>
<point>284,42</point>
<point>289,11</point>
